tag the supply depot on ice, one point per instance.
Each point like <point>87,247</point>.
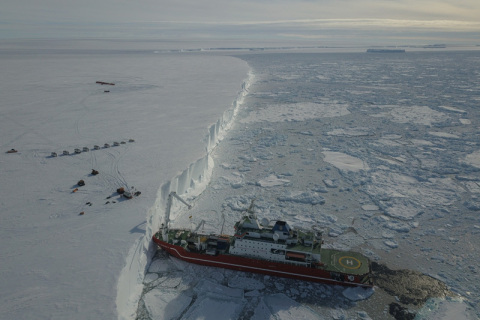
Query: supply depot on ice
<point>277,250</point>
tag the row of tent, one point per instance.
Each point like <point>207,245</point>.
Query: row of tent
<point>95,147</point>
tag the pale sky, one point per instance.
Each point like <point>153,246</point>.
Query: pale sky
<point>404,21</point>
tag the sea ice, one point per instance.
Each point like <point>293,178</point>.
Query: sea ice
<point>445,309</point>
<point>166,304</point>
<point>473,159</point>
<point>272,181</point>
<point>279,306</point>
<point>215,288</point>
<point>412,114</point>
<point>370,207</point>
<point>302,197</point>
<point>444,135</point>
<point>214,307</point>
<point>245,283</point>
<point>453,109</point>
<point>344,161</point>
<point>150,277</point>
<point>357,131</point>
<point>391,243</point>
<point>297,112</point>
<point>160,265</point>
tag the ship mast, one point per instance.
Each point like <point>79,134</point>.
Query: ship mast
<point>250,211</point>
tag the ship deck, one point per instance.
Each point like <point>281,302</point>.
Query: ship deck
<point>346,262</point>
<point>349,262</point>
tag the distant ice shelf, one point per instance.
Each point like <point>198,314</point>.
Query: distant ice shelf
<point>385,50</point>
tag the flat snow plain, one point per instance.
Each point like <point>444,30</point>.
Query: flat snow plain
<point>56,263</point>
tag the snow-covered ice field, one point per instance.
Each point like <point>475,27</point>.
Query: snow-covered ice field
<point>55,263</point>
<point>380,150</point>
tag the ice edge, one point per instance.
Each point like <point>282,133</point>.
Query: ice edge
<point>192,181</point>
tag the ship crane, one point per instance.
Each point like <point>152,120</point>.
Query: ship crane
<point>251,210</point>
<point>172,195</point>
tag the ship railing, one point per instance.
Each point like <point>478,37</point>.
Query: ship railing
<point>244,236</point>
<point>296,263</point>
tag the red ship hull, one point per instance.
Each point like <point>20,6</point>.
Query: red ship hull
<point>272,268</point>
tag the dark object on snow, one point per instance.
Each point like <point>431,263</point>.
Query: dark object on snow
<point>81,213</point>
<point>77,151</point>
<point>94,172</point>
<point>106,83</point>
<point>121,190</point>
<point>130,195</point>
<point>106,91</point>
<point>81,183</point>
<point>54,154</point>
<point>12,151</point>
<point>66,153</point>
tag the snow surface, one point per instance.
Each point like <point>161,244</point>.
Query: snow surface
<point>56,263</point>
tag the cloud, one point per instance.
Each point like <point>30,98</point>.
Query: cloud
<point>301,19</point>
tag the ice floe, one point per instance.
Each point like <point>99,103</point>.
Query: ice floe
<point>344,161</point>
<point>412,114</point>
<point>279,306</point>
<point>302,197</point>
<point>473,159</point>
<point>165,304</point>
<point>357,294</point>
<point>272,181</point>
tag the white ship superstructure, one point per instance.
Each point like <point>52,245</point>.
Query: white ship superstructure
<point>278,243</point>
